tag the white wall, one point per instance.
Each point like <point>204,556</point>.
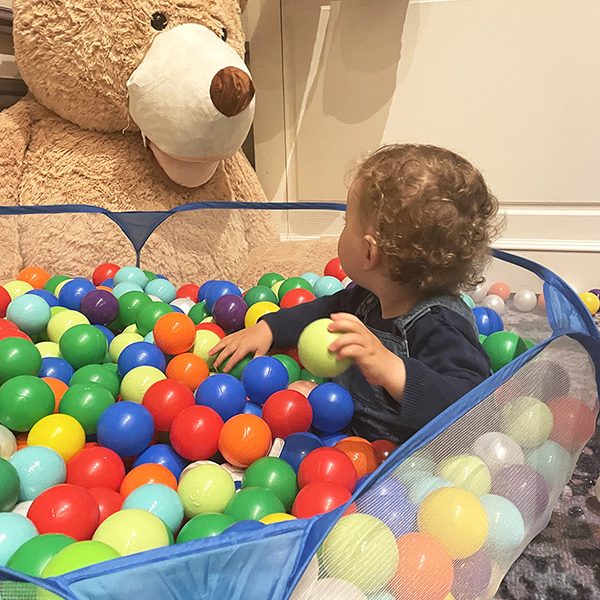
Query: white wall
<point>513,85</point>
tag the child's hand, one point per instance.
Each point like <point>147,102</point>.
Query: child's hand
<point>256,340</point>
<point>379,365</point>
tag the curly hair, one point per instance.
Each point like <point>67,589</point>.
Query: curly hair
<point>432,215</point>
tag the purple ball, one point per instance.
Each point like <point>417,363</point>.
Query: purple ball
<point>596,292</point>
<point>525,488</point>
<point>472,576</point>
<point>229,312</point>
<point>100,307</point>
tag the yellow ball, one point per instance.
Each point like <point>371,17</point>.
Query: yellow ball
<point>131,329</point>
<point>275,287</point>
<point>120,342</point>
<point>60,286</point>
<point>135,383</point>
<point>277,518</point>
<point>526,420</point>
<point>17,288</point>
<point>456,519</point>
<point>61,433</point>
<point>467,472</point>
<point>449,597</point>
<point>63,321</point>
<point>205,341</point>
<point>208,320</point>
<point>48,349</point>
<point>591,301</point>
<point>258,310</point>
<point>54,310</point>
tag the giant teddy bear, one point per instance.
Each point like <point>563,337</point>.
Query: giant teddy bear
<point>135,105</point>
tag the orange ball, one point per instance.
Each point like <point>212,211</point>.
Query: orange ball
<point>104,288</point>
<point>174,333</point>
<point>34,276</point>
<point>58,388</point>
<point>541,303</point>
<point>384,448</point>
<point>500,289</point>
<point>147,473</point>
<point>189,369</point>
<point>244,439</point>
<point>362,454</point>
<point>425,570</point>
<point>21,440</point>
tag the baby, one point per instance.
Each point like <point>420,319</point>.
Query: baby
<point>419,223</point>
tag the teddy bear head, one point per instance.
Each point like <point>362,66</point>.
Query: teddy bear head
<point>173,69</point>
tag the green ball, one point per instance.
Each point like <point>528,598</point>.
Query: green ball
<point>34,555</point>
<point>18,357</point>
<point>306,375</point>
<point>9,486</point>
<point>291,366</point>
<point>204,526</point>
<point>206,488</point>
<point>270,279</point>
<point>198,313</point>
<point>253,503</point>
<point>468,300</point>
<point>502,347</point>
<point>238,370</point>
<point>54,281</point>
<point>313,350</point>
<point>150,275</point>
<point>260,293</point>
<point>113,368</point>
<point>78,555</point>
<point>528,343</point>
<point>105,375</point>
<point>361,549</point>
<point>293,283</point>
<point>86,402</point>
<point>273,474</point>
<point>149,314</point>
<point>130,304</point>
<point>24,400</point>
<point>527,420</point>
<point>83,345</point>
<point>482,338</point>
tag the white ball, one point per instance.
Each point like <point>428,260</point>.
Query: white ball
<point>525,300</point>
<point>22,508</point>
<point>346,281</point>
<point>494,302</point>
<point>310,576</point>
<point>154,298</point>
<point>496,450</point>
<point>8,442</point>
<point>479,293</point>
<point>332,589</point>
<point>185,304</point>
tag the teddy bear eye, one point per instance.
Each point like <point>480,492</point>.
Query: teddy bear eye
<point>159,21</point>
<point>224,34</point>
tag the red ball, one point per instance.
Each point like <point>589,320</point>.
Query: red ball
<point>5,300</point>
<point>67,509</point>
<point>296,297</point>
<point>103,272</point>
<point>574,423</point>
<point>319,497</point>
<point>383,448</point>
<point>13,333</point>
<point>334,269</point>
<point>6,325</point>
<point>329,465</point>
<point>195,432</point>
<point>109,501</point>
<point>96,467</point>
<point>165,399</point>
<point>189,291</point>
<point>211,327</point>
<point>287,412</point>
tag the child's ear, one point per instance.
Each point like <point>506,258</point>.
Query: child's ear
<point>372,255</point>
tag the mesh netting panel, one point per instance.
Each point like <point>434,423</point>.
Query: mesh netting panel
<point>453,517</point>
<point>12,590</point>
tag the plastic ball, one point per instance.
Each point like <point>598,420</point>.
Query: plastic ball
<point>291,366</point>
<point>98,374</point>
<point>262,377</point>
<point>525,301</point>
<point>198,312</point>
<point>334,269</point>
<point>277,518</point>
<point>467,472</point>
<point>48,350</point>
<point>38,468</point>
<point>527,420</point>
<point>204,342</point>
<point>63,321</point>
<point>8,443</point>
<point>174,333</point>
<point>362,454</point>
<point>138,381</point>
<point>108,501</point>
<point>73,292</point>
<point>311,277</point>
<point>159,500</point>
<point>333,407</point>
<point>487,320</point>
<point>496,450</point>
<point>15,530</point>
<point>9,486</point>
<point>165,399</point>
<point>329,465</point>
<point>100,307</point>
<point>273,474</point>
<point>250,408</point>
<point>140,354</point>
<point>313,348</point>
<point>573,423</point>
<point>384,448</point>
<point>17,288</point>
<point>270,279</point>
<point>126,427</point>
<point>229,312</point>
<point>496,303</point>
<point>58,388</point>
<point>204,526</point>
<point>120,342</point>
<point>553,462</point>
<point>30,313</point>
<point>500,289</point>
<point>96,467</point>
<point>161,288</point>
<point>132,275</point>
<point>297,446</point>
<point>34,276</point>
<point>257,311</point>
<point>195,432</point>
<point>287,412</point>
<point>472,576</point>
<point>57,368</point>
<point>53,283</point>
<point>503,347</point>
<point>468,300</point>
<point>62,433</point>
<point>253,503</point>
<point>24,400</point>
<point>456,518</point>
<point>506,527</point>
<point>223,393</point>
<point>144,474</point>
<point>5,300</point>
<point>244,439</point>
<point>327,286</point>
<point>86,403</point>
<point>297,297</point>
<point>103,272</point>
<point>591,301</point>
<point>18,357</point>
<point>205,489</point>
<point>188,369</point>
<point>149,314</point>
<point>319,497</point>
<point>164,455</point>
<point>188,291</point>
<point>66,509</point>
<point>34,555</point>
<point>130,305</point>
<point>217,290</point>
<point>120,289</point>
<point>83,345</point>
<point>50,299</point>
<point>259,293</point>
<point>183,304</point>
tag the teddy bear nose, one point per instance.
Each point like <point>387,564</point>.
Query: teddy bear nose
<point>231,91</point>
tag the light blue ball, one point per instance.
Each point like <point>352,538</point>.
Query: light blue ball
<point>149,337</point>
<point>160,500</point>
<point>39,468</point>
<point>30,313</point>
<point>312,278</point>
<point>161,288</point>
<point>423,485</point>
<point>126,286</point>
<point>468,300</point>
<point>327,286</point>
<point>15,530</point>
<point>552,461</point>
<point>131,275</point>
<point>506,527</point>
<point>416,464</point>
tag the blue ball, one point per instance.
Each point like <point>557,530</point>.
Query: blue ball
<point>245,526</point>
<point>74,291</point>
<point>108,334</point>
<point>176,308</point>
<point>159,500</point>
<point>333,438</point>
<point>311,277</point>
<point>39,468</point>
<point>327,286</point>
<point>251,408</point>
<point>203,289</point>
<point>16,530</point>
<point>552,461</point>
<point>297,446</point>
<point>49,297</point>
<point>126,286</point>
<point>58,368</point>
<point>131,275</point>
<point>141,354</point>
<point>217,290</point>
<point>30,313</point>
<point>488,321</point>
<point>333,407</point>
<point>223,393</point>
<point>506,526</point>
<point>162,454</point>
<point>262,377</point>
<point>161,288</point>
<point>108,282</point>
<point>126,427</point>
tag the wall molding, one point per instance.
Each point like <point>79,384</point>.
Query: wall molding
<point>548,245</point>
